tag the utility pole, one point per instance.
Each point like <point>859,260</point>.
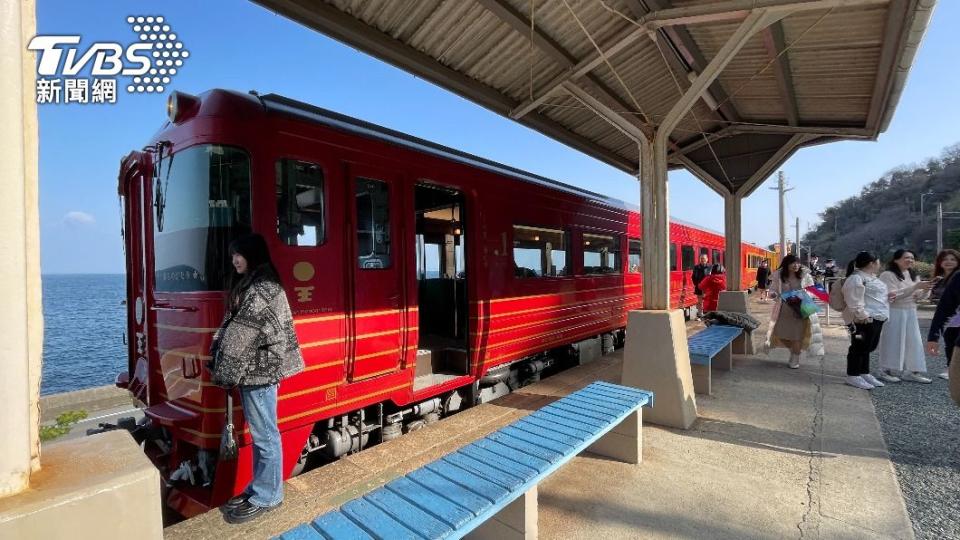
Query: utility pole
<point>939,227</point>
<point>782,189</point>
<point>798,238</point>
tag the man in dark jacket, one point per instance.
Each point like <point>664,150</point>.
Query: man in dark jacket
<point>700,271</point>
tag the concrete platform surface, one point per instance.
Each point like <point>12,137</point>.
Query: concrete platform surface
<point>775,453</point>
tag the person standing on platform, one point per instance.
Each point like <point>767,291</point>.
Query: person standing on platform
<point>700,271</point>
<point>254,348</point>
<point>868,307</point>
<point>763,279</point>
<point>944,270</point>
<point>946,323</point>
<point>901,346</point>
<point>788,328</point>
<point>711,287</point>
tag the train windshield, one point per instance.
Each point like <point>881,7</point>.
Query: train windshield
<point>201,203</point>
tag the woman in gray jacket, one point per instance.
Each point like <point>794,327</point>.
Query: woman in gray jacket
<point>254,348</point>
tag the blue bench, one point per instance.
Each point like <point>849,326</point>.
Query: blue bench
<point>713,342</point>
<point>489,487</point>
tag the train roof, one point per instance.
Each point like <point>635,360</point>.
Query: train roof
<point>284,105</point>
<point>281,104</point>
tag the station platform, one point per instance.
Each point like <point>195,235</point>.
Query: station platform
<point>775,453</point>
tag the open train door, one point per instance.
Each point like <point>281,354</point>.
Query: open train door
<point>135,194</point>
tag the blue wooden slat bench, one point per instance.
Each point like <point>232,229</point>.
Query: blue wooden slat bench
<point>489,488</point>
<point>712,343</point>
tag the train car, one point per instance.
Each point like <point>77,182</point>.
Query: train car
<point>422,279</point>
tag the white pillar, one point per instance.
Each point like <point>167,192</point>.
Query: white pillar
<point>20,312</point>
<point>733,236</point>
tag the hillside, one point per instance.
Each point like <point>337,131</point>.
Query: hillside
<point>885,216</point>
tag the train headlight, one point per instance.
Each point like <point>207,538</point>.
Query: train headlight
<point>181,106</point>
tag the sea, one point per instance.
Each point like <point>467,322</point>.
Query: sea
<point>84,322</point>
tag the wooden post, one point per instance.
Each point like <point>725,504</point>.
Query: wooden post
<point>656,231</point>
<point>732,234</point>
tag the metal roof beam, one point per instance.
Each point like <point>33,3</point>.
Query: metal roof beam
<point>521,24</point>
<point>893,35</point>
<point>774,42</point>
<point>343,27</point>
<point>716,11</point>
<point>604,111</point>
<point>771,164</point>
<point>719,187</point>
<point>687,54</point>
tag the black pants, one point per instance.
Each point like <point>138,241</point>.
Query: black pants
<point>950,341</point>
<point>863,341</point>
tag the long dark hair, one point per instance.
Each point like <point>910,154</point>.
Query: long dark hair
<point>785,268</point>
<point>260,267</point>
<point>892,266</point>
<point>717,269</point>
<point>938,263</point>
<point>861,261</point>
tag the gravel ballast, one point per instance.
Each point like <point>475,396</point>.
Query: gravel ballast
<point>921,426</point>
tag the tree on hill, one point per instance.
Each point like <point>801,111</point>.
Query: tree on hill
<point>885,216</point>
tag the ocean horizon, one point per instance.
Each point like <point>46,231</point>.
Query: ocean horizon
<point>84,324</point>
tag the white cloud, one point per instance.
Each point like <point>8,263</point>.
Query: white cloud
<point>77,217</point>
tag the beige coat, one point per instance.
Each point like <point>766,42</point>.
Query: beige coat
<point>813,342</point>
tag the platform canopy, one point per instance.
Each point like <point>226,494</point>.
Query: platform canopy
<point>595,73</point>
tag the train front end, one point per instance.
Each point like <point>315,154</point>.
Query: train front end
<point>185,197</point>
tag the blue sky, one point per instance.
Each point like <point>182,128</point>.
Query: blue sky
<point>238,45</point>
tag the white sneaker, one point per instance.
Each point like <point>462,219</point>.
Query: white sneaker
<point>888,377</point>
<point>915,377</point>
<point>794,362</point>
<point>872,380</point>
<point>944,375</point>
<point>858,382</point>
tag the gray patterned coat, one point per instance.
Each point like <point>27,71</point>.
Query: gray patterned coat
<point>257,345</point>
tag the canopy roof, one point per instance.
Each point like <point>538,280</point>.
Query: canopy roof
<point>831,69</point>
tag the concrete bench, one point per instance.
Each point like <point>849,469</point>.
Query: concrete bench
<point>489,487</point>
<point>713,342</point>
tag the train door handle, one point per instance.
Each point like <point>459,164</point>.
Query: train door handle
<point>190,367</point>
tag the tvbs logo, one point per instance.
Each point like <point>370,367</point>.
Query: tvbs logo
<point>150,62</point>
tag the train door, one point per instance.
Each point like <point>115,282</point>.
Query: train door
<point>377,342</point>
<point>440,238</point>
<point>135,187</point>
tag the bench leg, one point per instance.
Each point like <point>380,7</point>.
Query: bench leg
<point>701,379</point>
<point>744,344</point>
<point>517,521</point>
<point>724,359</point>
<point>624,442</point>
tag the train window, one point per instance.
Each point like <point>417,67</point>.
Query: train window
<point>687,257</point>
<point>539,252</point>
<point>635,262</point>
<point>673,257</point>
<point>373,223</point>
<point>601,254</point>
<point>300,203</point>
<point>705,252</point>
<point>716,257</point>
<point>202,204</point>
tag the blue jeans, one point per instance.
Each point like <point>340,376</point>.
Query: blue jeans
<point>260,411</point>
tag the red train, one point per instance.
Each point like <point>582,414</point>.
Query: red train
<point>422,279</point>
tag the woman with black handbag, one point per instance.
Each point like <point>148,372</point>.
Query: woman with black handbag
<point>254,348</point>
<point>868,307</point>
